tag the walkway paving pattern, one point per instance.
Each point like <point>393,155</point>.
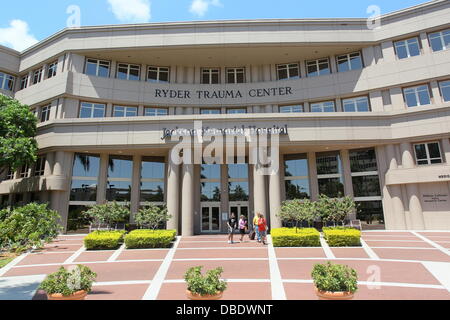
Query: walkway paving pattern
<point>390,265</point>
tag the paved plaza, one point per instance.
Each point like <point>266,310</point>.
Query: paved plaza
<point>391,265</point>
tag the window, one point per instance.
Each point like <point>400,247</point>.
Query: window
<point>364,172</point>
<point>428,153</point>
<point>318,67</point>
<point>440,40</point>
<point>10,174</point>
<point>291,109</point>
<point>37,76</point>
<point>120,172</point>
<point>24,171</point>
<point>92,110</point>
<point>85,173</point>
<point>327,106</point>
<point>23,82</point>
<point>6,81</point>
<point>210,76</point>
<point>152,180</point>
<point>296,177</point>
<point>39,168</point>
<point>238,187</point>
<point>210,111</point>
<point>125,112</point>
<point>288,71</point>
<point>351,61</point>
<point>235,75</point>
<point>158,74</point>
<point>128,71</point>
<point>210,182</point>
<point>45,113</point>
<point>52,68</point>
<point>98,68</point>
<point>360,104</point>
<point>155,112</point>
<point>330,174</point>
<point>445,90</point>
<point>417,96</point>
<point>407,48</point>
<point>237,111</point>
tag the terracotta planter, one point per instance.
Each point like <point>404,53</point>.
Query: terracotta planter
<point>194,296</point>
<point>80,295</point>
<point>328,295</point>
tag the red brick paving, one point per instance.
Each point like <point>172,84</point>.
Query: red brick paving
<point>398,244</point>
<point>143,255</point>
<point>125,271</point>
<point>350,253</point>
<point>300,253</point>
<point>223,253</point>
<point>221,244</point>
<point>94,256</point>
<point>412,254</point>
<point>41,258</point>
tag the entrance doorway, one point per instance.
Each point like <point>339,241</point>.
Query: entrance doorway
<point>210,217</point>
<point>239,208</point>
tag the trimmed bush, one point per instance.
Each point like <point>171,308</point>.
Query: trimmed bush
<point>342,237</point>
<point>145,239</point>
<point>104,240</point>
<point>289,237</point>
<point>335,278</point>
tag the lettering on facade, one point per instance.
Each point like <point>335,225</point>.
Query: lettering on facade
<point>444,176</point>
<point>222,94</point>
<point>435,198</point>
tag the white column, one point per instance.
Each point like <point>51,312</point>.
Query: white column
<point>135,186</point>
<point>173,194</point>
<point>49,163</point>
<point>348,183</point>
<point>388,51</point>
<point>313,182</point>
<point>425,44</point>
<point>103,178</point>
<point>407,156</point>
<point>437,99</point>
<point>275,198</point>
<point>59,164</point>
<point>259,190</point>
<point>187,203</point>
<point>368,56</point>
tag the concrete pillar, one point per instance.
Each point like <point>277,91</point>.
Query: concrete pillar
<point>436,92</point>
<point>49,163</point>
<point>143,75</point>
<point>135,187</point>
<point>333,64</point>
<point>338,107</point>
<point>398,102</point>
<point>275,198</point>
<point>446,149</point>
<point>266,72</point>
<point>424,42</point>
<point>187,203</point>
<point>407,156</point>
<point>59,163</point>
<point>313,182</point>
<point>368,56</point>
<point>376,101</point>
<point>388,51</point>
<point>255,73</point>
<point>348,183</point>
<point>103,178</point>
<point>173,194</point>
<point>415,207</point>
<point>259,192</point>
<point>180,74</point>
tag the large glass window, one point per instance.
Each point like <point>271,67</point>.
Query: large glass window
<point>85,173</point>
<point>125,112</point>
<point>6,81</point>
<point>210,182</point>
<point>288,71</point>
<point>210,75</point>
<point>327,106</point>
<point>238,186</point>
<point>440,40</point>
<point>417,96</point>
<point>158,74</point>
<point>92,110</point>
<point>235,75</point>
<point>360,104</point>
<point>318,67</point>
<point>155,112</point>
<point>428,153</point>
<point>370,212</point>
<point>445,90</point>
<point>407,48</point>
<point>98,68</point>
<point>330,174</point>
<point>291,109</point>
<point>120,172</point>
<point>128,71</point>
<point>52,69</point>
<point>296,177</point>
<point>152,180</point>
<point>351,61</point>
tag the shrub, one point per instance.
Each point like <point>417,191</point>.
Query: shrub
<point>29,226</point>
<point>335,278</point>
<point>334,209</point>
<point>288,237</point>
<point>141,239</point>
<point>297,211</point>
<point>104,240</point>
<point>110,213</point>
<point>152,216</point>
<point>342,237</point>
<point>210,284</point>
<point>69,282</point>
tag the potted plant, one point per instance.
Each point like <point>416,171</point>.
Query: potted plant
<point>334,281</point>
<point>66,284</point>
<point>204,287</point>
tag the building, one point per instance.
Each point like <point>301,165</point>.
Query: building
<point>366,113</point>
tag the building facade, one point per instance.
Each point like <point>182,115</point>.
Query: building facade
<point>362,112</point>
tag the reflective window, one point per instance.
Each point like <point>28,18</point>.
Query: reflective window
<point>210,75</point>
<point>86,165</point>
<point>291,109</point>
<point>238,186</point>
<point>428,153</point>
<point>363,160</point>
<point>152,179</point>
<point>318,67</point>
<point>92,110</point>
<point>237,111</point>
<point>445,90</point>
<point>288,71</point>
<point>85,173</point>
<point>328,163</point>
<point>238,171</point>
<point>83,190</point>
<point>370,213</point>
<point>327,106</point>
<point>6,81</point>
<point>39,168</point>
<point>351,61</point>
<point>120,171</point>
<point>125,112</point>
<point>52,69</point>
<point>235,75</point>
<point>296,176</point>
<point>417,96</point>
<point>45,113</point>
<point>407,48</point>
<point>77,220</point>
<point>238,191</point>
<point>98,68</point>
<point>128,71</point>
<point>158,74</point>
<point>330,174</point>
<point>440,40</point>
<point>360,104</point>
<point>24,171</point>
<point>210,111</point>
<point>366,186</point>
<point>155,112</point>
<point>210,191</point>
<point>210,171</point>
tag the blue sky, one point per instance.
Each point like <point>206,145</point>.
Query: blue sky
<point>22,23</point>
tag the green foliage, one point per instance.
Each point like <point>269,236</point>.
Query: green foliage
<point>335,278</point>
<point>292,237</point>
<point>342,237</point>
<point>104,240</point>
<point>152,216</point>
<point>141,239</point>
<point>109,213</point>
<point>69,282</point>
<point>325,208</point>
<point>210,284</point>
<point>29,226</point>
<point>334,209</point>
<point>298,211</point>
<point>17,131</point>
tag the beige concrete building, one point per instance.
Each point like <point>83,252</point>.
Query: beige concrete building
<point>366,113</point>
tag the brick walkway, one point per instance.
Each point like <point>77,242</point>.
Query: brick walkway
<point>404,265</point>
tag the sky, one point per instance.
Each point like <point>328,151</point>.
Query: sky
<point>23,23</point>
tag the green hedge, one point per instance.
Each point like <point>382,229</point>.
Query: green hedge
<point>290,237</point>
<point>104,240</point>
<point>143,239</point>
<point>342,237</point>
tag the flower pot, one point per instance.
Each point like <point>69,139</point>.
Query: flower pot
<point>195,296</point>
<point>80,295</point>
<point>328,295</point>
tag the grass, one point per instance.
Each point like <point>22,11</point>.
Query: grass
<point>6,258</point>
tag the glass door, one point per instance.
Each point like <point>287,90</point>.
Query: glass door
<point>239,208</point>
<point>210,218</point>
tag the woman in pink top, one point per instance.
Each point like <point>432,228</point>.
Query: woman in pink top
<point>242,227</point>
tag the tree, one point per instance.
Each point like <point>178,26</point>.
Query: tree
<point>109,213</point>
<point>325,207</point>
<point>297,211</point>
<point>342,208</point>
<point>152,216</point>
<point>18,145</point>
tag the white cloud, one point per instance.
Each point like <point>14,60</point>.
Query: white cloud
<point>131,11</point>
<point>17,36</point>
<point>200,7</point>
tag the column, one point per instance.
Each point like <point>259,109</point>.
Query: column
<point>398,102</point>
<point>446,149</point>
<point>425,43</point>
<point>103,178</point>
<point>275,198</point>
<point>368,56</point>
<point>407,156</point>
<point>348,183</point>
<point>436,92</point>
<point>388,51</point>
<point>376,101</point>
<point>59,163</point>
<point>313,182</point>
<point>187,203</point>
<point>135,187</point>
<point>173,193</point>
<point>259,191</point>
<point>255,73</point>
<point>49,163</point>
<point>339,107</point>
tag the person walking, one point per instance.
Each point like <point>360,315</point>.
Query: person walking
<point>256,227</point>
<point>232,225</point>
<point>262,225</point>
<point>243,226</point>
